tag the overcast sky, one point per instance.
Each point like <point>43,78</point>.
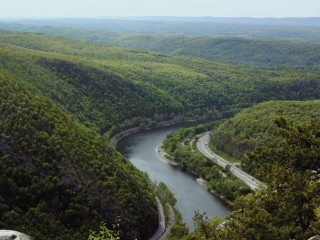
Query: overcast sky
<point>214,8</point>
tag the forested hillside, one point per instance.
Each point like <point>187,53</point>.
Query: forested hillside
<point>97,94</point>
<point>289,207</point>
<point>58,96</point>
<point>221,48</point>
<point>297,29</point>
<point>59,179</point>
<point>256,126</point>
<point>103,86</point>
<point>180,147</point>
<point>226,49</point>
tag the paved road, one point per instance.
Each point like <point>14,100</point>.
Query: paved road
<point>203,147</point>
<point>162,224</point>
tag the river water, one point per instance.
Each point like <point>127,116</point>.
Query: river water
<point>140,149</point>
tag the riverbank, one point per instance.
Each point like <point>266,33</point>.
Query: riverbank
<point>203,183</point>
<point>166,221</point>
<point>113,141</point>
<point>163,155</point>
<point>140,149</point>
<point>171,220</point>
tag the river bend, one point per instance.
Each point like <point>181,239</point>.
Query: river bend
<point>140,149</point>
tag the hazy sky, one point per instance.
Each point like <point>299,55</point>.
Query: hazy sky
<point>215,8</point>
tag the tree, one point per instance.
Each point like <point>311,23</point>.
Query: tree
<point>289,207</point>
<point>153,123</point>
<point>286,209</point>
<point>104,233</point>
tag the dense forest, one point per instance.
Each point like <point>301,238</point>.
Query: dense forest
<point>221,48</point>
<point>296,29</point>
<point>224,49</point>
<point>81,77</point>
<point>59,179</point>
<point>61,99</point>
<point>180,147</point>
<point>254,127</point>
<point>289,207</point>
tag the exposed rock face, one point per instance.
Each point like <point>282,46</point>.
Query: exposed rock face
<point>13,235</point>
<point>317,237</point>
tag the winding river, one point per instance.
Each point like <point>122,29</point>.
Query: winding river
<point>141,148</point>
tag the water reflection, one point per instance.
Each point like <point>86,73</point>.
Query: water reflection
<point>141,151</point>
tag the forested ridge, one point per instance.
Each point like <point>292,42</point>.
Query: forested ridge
<point>59,179</point>
<point>226,47</point>
<point>81,77</point>
<point>292,29</point>
<point>288,208</point>
<point>181,148</point>
<point>255,127</point>
<point>58,96</point>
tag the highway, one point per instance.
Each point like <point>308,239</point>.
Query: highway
<point>162,225</point>
<point>203,147</point>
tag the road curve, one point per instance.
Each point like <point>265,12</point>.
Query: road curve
<point>203,147</point>
<point>162,224</point>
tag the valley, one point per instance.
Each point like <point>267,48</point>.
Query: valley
<point>69,86</point>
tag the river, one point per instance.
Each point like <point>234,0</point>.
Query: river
<point>140,149</point>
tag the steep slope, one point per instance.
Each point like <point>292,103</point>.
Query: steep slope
<point>73,179</point>
<point>98,97</point>
<point>255,126</point>
<point>103,86</point>
<point>288,208</point>
<point>58,178</point>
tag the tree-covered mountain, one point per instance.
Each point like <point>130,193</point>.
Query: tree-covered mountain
<point>59,95</point>
<point>226,49</point>
<point>297,29</point>
<point>98,94</point>
<point>221,48</point>
<point>59,179</point>
<point>180,147</point>
<point>288,208</point>
<point>255,127</point>
<point>103,85</point>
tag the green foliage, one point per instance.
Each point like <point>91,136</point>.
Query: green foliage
<point>104,233</point>
<point>42,206</point>
<point>288,207</point>
<point>103,86</point>
<point>155,32</point>
<point>60,179</point>
<point>230,50</point>
<point>179,229</point>
<point>204,228</point>
<point>86,91</point>
<point>255,126</point>
<point>179,145</point>
<point>63,174</point>
<point>169,196</point>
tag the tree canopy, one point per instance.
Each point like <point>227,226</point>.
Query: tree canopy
<point>255,126</point>
<point>59,179</point>
<point>288,208</point>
